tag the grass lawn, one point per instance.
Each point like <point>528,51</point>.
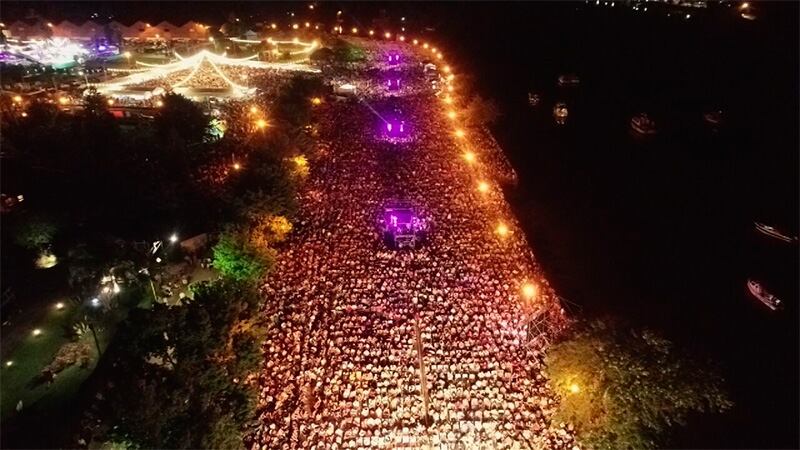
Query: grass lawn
<point>30,355</point>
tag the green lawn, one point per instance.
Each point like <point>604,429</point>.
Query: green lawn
<point>30,355</point>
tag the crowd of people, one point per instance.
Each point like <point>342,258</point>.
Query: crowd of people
<point>435,347</point>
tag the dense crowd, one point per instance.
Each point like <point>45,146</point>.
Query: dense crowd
<point>357,324</point>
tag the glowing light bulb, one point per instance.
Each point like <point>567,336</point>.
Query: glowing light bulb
<point>459,133</point>
<point>371,32</point>
<point>451,114</point>
<point>469,156</point>
<point>502,230</point>
<point>529,291</point>
<point>316,101</point>
<point>237,166</point>
<point>37,332</point>
<point>60,305</point>
<point>9,363</point>
<point>387,35</point>
<point>173,238</point>
<point>483,187</point>
<point>415,42</point>
<point>354,30</point>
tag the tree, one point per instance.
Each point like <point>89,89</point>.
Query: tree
<point>237,258</point>
<point>348,53</point>
<point>482,111</point>
<point>35,232</point>
<point>623,388</point>
<point>95,104</point>
<point>181,118</point>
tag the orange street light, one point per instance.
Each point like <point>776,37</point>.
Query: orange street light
<point>354,30</point>
<point>459,133</point>
<point>316,101</point>
<point>469,156</point>
<point>261,124</point>
<point>529,291</point>
<point>387,35</point>
<point>574,388</point>
<point>237,166</point>
<point>451,115</point>
<point>415,42</point>
<point>253,110</point>
<point>501,230</point>
<point>483,187</point>
<point>371,32</point>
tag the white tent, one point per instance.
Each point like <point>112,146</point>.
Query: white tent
<point>345,89</point>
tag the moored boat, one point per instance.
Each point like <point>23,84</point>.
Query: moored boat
<point>642,124</point>
<point>569,79</point>
<point>763,296</point>
<point>560,113</point>
<point>713,117</point>
<point>774,232</point>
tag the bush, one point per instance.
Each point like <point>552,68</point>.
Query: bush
<point>238,258</point>
<point>623,388</point>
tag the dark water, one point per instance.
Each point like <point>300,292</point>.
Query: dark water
<point>659,230</point>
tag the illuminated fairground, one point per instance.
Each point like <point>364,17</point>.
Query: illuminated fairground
<point>57,52</point>
<point>204,74</point>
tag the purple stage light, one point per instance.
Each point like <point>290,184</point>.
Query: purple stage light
<point>393,84</point>
<point>396,128</point>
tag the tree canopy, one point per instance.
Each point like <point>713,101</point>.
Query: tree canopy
<point>623,388</point>
<point>239,258</point>
<point>182,374</point>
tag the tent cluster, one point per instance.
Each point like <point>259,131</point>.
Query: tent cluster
<point>89,30</point>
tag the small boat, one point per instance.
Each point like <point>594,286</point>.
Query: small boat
<point>713,117</point>
<point>560,113</point>
<point>763,296</point>
<point>642,124</point>
<point>533,99</point>
<point>773,232</point>
<point>569,79</point>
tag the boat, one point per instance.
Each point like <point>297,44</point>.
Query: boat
<point>533,99</point>
<point>642,124</point>
<point>773,232</point>
<point>560,113</point>
<point>569,79</point>
<point>713,117</point>
<point>763,296</point>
